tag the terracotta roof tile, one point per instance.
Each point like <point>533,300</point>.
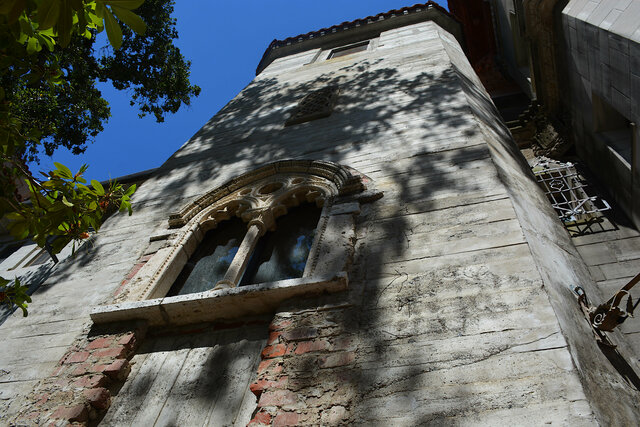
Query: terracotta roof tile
<point>358,22</point>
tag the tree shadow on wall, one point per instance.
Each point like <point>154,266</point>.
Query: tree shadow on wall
<point>410,129</point>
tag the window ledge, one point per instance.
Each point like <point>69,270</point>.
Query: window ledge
<point>220,304</point>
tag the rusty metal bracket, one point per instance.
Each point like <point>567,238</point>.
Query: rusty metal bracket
<point>607,316</point>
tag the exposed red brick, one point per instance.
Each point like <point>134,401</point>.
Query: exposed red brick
<point>32,415</point>
<point>91,381</point>
<point>273,351</point>
<point>128,340</point>
<point>297,334</point>
<point>278,325</point>
<point>76,413</point>
<point>118,352</point>
<point>257,387</point>
<point>290,348</point>
<point>134,270</point>
<point>89,368</point>
<point>100,343</point>
<point>343,344</point>
<point>81,369</point>
<point>99,398</point>
<point>42,399</point>
<point>286,419</point>
<point>76,357</point>
<point>277,398</point>
<point>118,370</point>
<point>261,419</point>
<point>336,360</point>
<point>59,369</point>
<point>121,287</point>
<point>307,346</point>
<point>273,337</point>
<point>263,366</point>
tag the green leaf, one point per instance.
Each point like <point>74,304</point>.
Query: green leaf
<point>59,244</point>
<point>64,171</point>
<point>33,46</point>
<point>46,41</point>
<point>13,9</point>
<point>65,24</point>
<point>85,189</point>
<point>125,4</point>
<point>114,32</point>
<point>66,202</point>
<point>130,190</point>
<point>101,9</point>
<point>76,5</point>
<point>14,216</point>
<point>47,14</point>
<point>25,27</point>
<point>98,187</point>
<point>19,230</point>
<point>131,19</point>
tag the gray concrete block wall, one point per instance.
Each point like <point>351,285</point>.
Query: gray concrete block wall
<point>602,57</point>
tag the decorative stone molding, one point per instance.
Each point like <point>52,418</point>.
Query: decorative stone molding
<point>315,105</point>
<point>246,188</point>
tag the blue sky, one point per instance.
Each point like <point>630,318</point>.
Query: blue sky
<point>224,40</point>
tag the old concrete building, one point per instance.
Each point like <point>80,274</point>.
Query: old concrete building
<point>355,238</point>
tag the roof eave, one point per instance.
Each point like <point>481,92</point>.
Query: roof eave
<point>361,29</point>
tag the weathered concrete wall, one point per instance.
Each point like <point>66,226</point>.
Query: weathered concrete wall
<point>446,319</point>
<point>443,284</point>
<point>603,59</point>
<point>612,397</point>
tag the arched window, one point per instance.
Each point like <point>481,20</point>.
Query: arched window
<point>283,230</point>
<point>278,255</point>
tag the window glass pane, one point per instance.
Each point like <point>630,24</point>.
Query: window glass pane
<point>282,254</point>
<point>210,261</point>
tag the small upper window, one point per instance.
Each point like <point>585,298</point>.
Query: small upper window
<point>349,49</point>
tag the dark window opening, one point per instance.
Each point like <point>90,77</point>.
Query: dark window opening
<point>212,258</point>
<point>8,249</point>
<point>282,254</point>
<point>348,50</point>
<point>612,127</point>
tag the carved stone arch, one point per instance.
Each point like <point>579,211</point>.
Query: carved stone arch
<point>251,193</point>
<point>258,197</point>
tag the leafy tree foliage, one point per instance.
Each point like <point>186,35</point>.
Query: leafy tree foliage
<point>49,68</point>
<point>72,112</point>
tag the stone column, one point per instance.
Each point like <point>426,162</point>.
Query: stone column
<point>241,259</point>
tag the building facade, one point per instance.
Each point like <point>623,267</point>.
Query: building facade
<point>355,238</point>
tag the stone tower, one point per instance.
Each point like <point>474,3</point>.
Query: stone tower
<point>353,239</point>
